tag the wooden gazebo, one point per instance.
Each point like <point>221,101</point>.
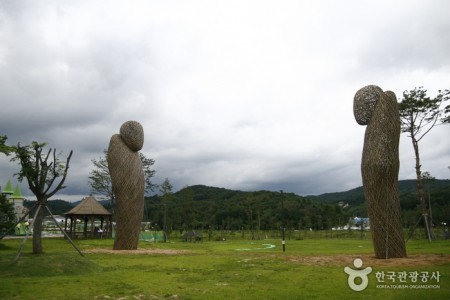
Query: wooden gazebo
<point>89,211</point>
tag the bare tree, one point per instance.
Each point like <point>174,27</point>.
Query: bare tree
<point>419,114</point>
<point>42,170</point>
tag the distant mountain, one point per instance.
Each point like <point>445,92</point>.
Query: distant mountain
<point>102,202</point>
<point>57,207</point>
<point>353,196</point>
<point>437,193</point>
<point>356,196</point>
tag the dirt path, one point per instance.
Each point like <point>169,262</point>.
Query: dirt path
<point>138,251</point>
<point>370,260</point>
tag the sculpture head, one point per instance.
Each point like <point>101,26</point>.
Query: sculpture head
<point>132,134</point>
<point>365,102</point>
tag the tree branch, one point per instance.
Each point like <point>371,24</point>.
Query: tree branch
<point>60,185</point>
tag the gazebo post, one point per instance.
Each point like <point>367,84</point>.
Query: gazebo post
<point>73,225</point>
<point>110,229</point>
<point>92,226</point>
<point>65,224</point>
<point>85,226</point>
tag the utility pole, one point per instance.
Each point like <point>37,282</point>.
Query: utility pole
<point>283,226</point>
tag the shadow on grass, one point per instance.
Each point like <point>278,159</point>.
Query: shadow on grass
<point>5,247</point>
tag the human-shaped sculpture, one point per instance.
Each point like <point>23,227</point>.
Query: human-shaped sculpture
<point>379,168</point>
<point>128,183</point>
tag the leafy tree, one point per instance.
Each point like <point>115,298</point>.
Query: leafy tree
<point>3,147</point>
<point>100,180</point>
<point>41,170</point>
<point>427,179</point>
<point>419,114</point>
<point>6,214</point>
<point>186,208</point>
<point>166,194</point>
<point>6,208</point>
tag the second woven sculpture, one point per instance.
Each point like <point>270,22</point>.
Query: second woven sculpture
<point>379,168</point>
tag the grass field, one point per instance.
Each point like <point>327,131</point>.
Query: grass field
<point>231,269</point>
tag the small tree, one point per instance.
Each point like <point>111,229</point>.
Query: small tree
<point>100,180</point>
<point>6,214</point>
<point>419,114</point>
<point>41,170</point>
<point>427,179</point>
<point>6,208</point>
<point>166,194</point>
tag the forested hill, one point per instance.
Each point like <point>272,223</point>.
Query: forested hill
<point>202,206</point>
<point>437,192</point>
<point>356,196</point>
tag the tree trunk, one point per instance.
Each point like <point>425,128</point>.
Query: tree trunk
<point>423,205</point>
<point>37,231</point>
<point>165,221</point>
<point>259,226</point>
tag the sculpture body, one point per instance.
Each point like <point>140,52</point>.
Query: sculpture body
<point>128,183</point>
<point>379,168</point>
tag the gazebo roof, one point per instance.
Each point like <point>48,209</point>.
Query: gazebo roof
<point>89,206</point>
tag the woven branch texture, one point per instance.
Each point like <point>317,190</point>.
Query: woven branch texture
<point>379,168</point>
<point>127,178</point>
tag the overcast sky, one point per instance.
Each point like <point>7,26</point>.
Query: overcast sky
<point>244,95</point>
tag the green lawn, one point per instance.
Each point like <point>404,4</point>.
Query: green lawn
<point>239,269</point>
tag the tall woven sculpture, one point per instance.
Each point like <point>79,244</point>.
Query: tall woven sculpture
<point>127,178</point>
<point>379,167</point>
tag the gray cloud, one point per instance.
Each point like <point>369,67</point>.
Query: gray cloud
<point>410,41</point>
